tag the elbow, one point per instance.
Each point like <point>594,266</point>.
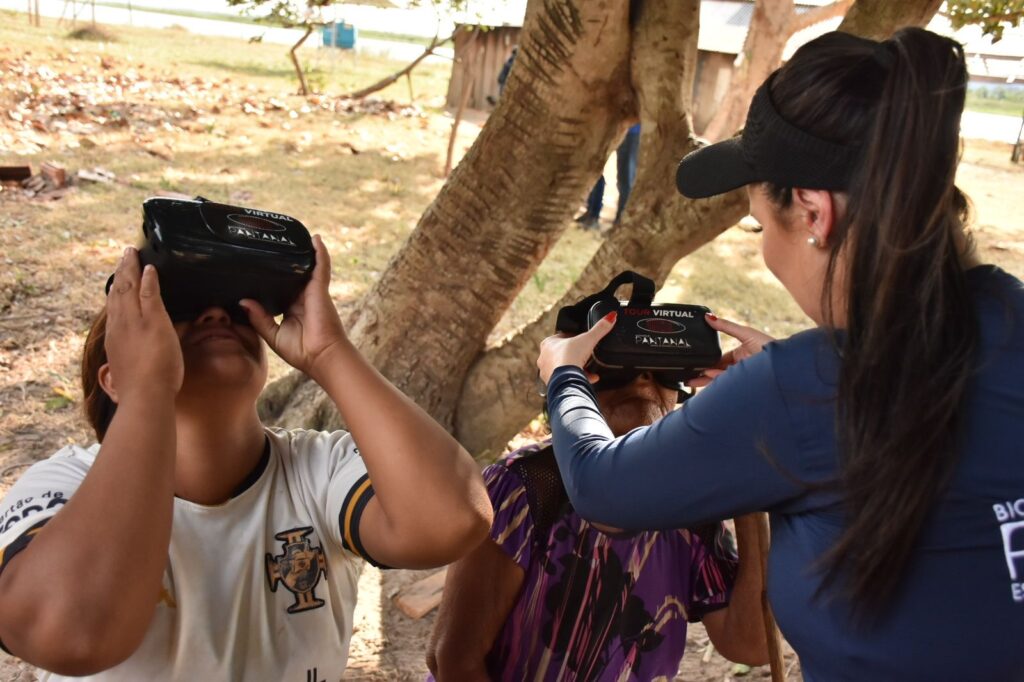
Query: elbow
<point>745,643</point>
<point>590,505</point>
<point>79,656</point>
<point>434,544</point>
<point>449,662</point>
<point>467,531</point>
<point>747,653</point>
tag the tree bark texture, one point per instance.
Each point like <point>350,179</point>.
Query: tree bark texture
<point>658,227</point>
<point>879,19</point>
<point>583,74</point>
<point>504,206</point>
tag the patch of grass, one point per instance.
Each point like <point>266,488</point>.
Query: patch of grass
<point>995,100</point>
<point>257,21</point>
<point>96,34</point>
<point>267,65</point>
<point>257,69</point>
<point>192,14</point>
<point>991,106</point>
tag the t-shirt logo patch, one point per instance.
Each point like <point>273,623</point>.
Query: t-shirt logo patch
<point>299,567</point>
<point>1010,515</point>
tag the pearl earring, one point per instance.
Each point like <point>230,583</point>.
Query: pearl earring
<point>813,241</point>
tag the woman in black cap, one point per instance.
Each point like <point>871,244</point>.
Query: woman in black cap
<point>885,442</point>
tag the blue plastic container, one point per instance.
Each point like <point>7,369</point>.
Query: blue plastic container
<point>340,34</point>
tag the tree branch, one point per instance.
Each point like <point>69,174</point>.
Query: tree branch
<point>879,19</point>
<point>303,88</point>
<point>385,82</point>
<point>428,316</point>
<point>468,62</point>
<point>820,14</point>
<point>658,226</point>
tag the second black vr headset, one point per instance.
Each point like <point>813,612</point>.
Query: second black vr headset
<point>210,254</point>
<point>671,341</point>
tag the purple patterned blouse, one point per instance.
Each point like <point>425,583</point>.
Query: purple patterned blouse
<point>596,606</point>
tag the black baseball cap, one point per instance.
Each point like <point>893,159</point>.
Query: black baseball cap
<point>770,149</point>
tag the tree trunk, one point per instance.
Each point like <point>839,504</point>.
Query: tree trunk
<point>773,23</point>
<point>879,19</point>
<point>583,74</point>
<point>761,54</point>
<point>658,227</point>
<point>504,206</point>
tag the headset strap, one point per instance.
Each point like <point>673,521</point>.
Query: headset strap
<point>572,319</point>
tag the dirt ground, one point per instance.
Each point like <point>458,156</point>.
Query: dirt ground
<point>363,173</point>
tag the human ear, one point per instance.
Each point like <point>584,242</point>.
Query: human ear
<point>818,213</point>
<point>106,380</point>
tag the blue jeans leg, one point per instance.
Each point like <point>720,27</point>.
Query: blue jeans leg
<point>596,199</point>
<point>625,163</point>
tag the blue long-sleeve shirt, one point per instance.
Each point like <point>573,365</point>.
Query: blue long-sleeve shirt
<point>766,427</point>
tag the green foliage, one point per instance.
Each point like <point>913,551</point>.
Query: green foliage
<point>285,12</point>
<point>291,13</point>
<point>996,99</point>
<point>999,93</point>
<point>992,15</point>
<point>96,34</point>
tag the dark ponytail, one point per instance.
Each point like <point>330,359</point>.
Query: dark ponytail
<point>908,350</point>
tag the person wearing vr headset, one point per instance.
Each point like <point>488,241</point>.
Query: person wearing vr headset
<point>550,596</point>
<point>885,443</point>
<point>193,542</point>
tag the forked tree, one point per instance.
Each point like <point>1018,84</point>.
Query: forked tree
<point>586,70</point>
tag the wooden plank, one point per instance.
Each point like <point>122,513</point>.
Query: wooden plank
<point>421,597</point>
<point>15,173</point>
<point>101,175</point>
<point>55,174</point>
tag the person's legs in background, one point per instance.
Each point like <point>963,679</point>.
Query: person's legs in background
<point>590,219</point>
<point>625,162</point>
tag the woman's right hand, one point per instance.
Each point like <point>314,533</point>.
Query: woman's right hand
<point>751,342</point>
<point>143,349</point>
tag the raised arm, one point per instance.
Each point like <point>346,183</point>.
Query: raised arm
<point>79,597</point>
<point>728,451</point>
<point>430,506</point>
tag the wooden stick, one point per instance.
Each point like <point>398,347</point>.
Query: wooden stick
<point>405,71</point>
<point>467,84</point>
<point>771,629</point>
<point>303,87</point>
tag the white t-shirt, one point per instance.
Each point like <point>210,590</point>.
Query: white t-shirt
<point>261,587</point>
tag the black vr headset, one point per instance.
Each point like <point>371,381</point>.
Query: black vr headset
<point>210,254</point>
<point>671,341</point>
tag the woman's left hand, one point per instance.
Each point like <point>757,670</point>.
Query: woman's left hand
<point>560,350</point>
<point>311,329</point>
